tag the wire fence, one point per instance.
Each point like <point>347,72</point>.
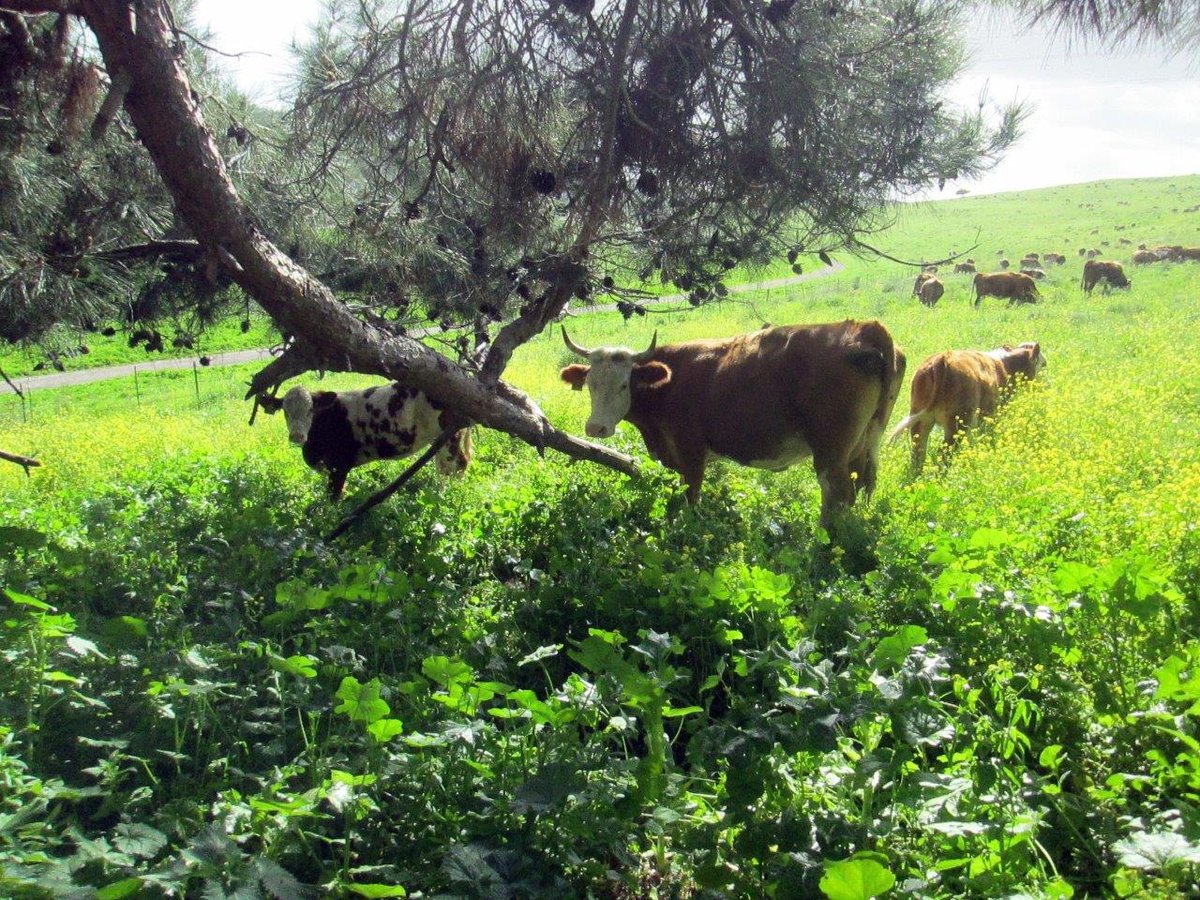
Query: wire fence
<point>149,387</point>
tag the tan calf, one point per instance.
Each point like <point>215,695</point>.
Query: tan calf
<point>955,388</point>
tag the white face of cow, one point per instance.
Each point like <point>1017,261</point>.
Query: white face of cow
<point>608,381</point>
<point>610,377</point>
<point>298,412</point>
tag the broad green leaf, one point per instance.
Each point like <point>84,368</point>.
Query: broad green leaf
<point>139,840</point>
<point>857,878</point>
<point>26,600</point>
<point>893,650</point>
<point>300,665</point>
<point>552,785</point>
<point>385,729</point>
<point>126,887</point>
<point>446,671</point>
<point>990,539</point>
<point>279,882</point>
<point>1156,850</point>
<point>361,702</point>
<point>377,890</point>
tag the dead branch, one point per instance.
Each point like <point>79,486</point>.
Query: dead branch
<point>121,83</point>
<point>904,262</point>
<point>381,495</point>
<point>27,462</point>
<point>42,7</point>
<point>12,384</point>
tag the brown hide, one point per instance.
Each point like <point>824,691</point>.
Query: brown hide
<point>930,291</point>
<point>1097,270</point>
<point>768,399</point>
<point>955,388</point>
<point>1011,285</point>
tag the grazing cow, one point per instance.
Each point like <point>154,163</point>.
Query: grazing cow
<point>964,268</point>
<point>767,399</point>
<point>1092,254</point>
<point>1034,272</point>
<point>955,388</point>
<point>1056,259</point>
<point>1192,254</point>
<point>341,430</point>
<point>1017,287</point>
<point>1142,257</point>
<point>1170,252</point>
<point>928,289</point>
<point>1004,264</point>
<point>1097,270</point>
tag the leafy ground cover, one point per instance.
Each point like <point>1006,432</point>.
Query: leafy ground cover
<point>549,680</point>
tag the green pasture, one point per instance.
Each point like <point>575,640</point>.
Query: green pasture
<point>548,679</point>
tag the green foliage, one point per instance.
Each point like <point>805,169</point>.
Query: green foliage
<point>545,680</point>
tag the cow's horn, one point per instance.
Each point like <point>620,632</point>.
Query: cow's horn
<point>574,347</point>
<point>645,355</point>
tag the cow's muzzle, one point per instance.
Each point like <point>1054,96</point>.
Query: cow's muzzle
<point>596,430</point>
<point>296,437</point>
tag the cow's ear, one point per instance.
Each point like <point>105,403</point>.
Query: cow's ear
<point>575,375</point>
<point>653,374</point>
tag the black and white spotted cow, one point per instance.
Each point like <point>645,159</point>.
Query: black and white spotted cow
<point>341,430</point>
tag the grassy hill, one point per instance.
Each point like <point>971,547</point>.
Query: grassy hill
<point>557,681</point>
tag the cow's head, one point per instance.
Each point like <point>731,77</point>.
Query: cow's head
<point>611,376</point>
<point>298,411</point>
<point>1027,359</point>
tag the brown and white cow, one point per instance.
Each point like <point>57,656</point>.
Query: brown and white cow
<point>955,388</point>
<point>767,399</point>
<point>341,430</point>
<point>1097,270</point>
<point>1014,286</point>
<point>928,289</point>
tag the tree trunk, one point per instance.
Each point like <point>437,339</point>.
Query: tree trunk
<point>139,45</point>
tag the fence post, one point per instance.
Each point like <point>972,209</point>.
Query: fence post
<point>137,388</point>
<point>196,381</point>
<point>24,418</point>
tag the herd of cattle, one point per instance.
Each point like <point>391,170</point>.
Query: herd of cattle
<point>1020,286</point>
<point>767,399</point>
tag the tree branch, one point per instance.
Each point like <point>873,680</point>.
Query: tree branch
<point>42,7</point>
<point>27,462</point>
<point>170,125</point>
<point>12,384</point>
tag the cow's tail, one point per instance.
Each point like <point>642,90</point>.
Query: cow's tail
<point>926,386</point>
<point>906,423</point>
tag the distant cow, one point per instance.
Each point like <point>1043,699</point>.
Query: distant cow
<point>341,430</point>
<point>955,388</point>
<point>964,268</point>
<point>1014,286</point>
<point>1004,264</point>
<point>1092,254</point>
<point>767,399</point>
<point>1189,253</point>
<point>1054,259</point>
<point>929,289</point>
<point>1142,257</point>
<point>1097,270</point>
<point>1034,272</point>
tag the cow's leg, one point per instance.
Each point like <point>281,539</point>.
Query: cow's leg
<point>692,474</point>
<point>337,483</point>
<point>837,487</point>
<point>919,433</point>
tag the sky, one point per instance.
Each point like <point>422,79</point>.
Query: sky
<point>1129,113</point>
